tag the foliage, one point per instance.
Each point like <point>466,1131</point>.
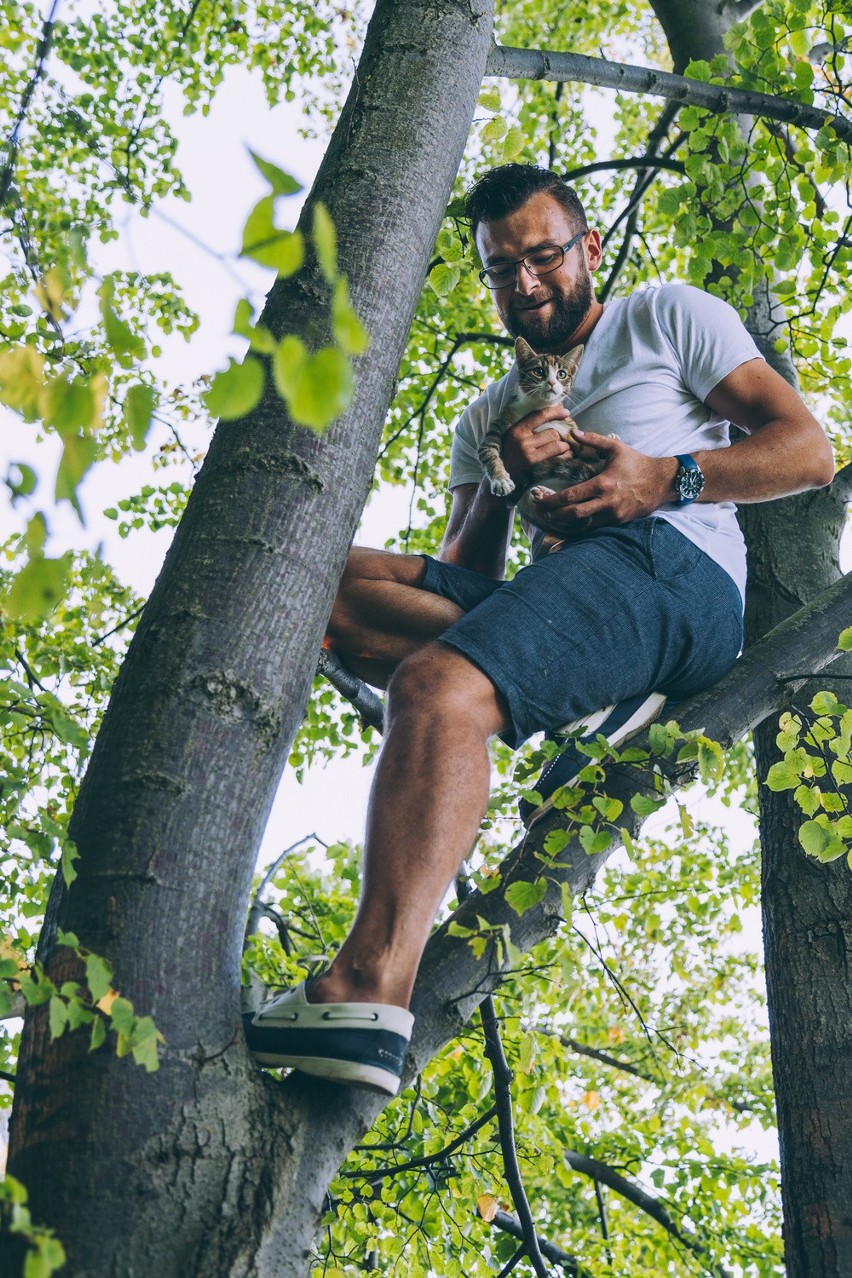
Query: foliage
<point>637,1036</point>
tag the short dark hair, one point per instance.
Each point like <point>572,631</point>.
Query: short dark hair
<point>505,189</point>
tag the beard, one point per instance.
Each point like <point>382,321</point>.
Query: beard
<point>551,332</point>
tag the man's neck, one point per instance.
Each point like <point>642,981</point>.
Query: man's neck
<point>583,331</point>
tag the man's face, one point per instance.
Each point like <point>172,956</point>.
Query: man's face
<point>547,310</point>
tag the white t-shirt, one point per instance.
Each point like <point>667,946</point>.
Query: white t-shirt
<point>649,363</point>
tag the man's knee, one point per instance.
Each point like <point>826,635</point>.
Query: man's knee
<point>440,681</point>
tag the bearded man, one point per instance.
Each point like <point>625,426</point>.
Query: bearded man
<point>639,598</point>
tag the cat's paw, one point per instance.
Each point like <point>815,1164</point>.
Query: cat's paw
<point>502,487</point>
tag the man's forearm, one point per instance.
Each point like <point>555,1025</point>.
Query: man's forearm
<point>479,538</point>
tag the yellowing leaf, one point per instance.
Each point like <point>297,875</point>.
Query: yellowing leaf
<point>487,1206</point>
<point>237,390</point>
<point>50,291</point>
<point>78,454</point>
<point>106,1001</point>
<point>514,143</point>
<point>138,411</point>
<point>494,130</point>
<point>22,380</point>
<point>325,241</point>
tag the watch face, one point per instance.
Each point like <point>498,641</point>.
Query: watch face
<point>690,484</point>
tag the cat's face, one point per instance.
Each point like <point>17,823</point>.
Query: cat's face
<point>548,377</point>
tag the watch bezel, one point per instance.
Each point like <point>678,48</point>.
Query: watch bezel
<point>689,481</point>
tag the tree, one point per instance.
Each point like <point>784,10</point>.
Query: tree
<point>201,718</point>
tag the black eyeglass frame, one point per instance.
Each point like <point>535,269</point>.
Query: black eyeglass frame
<point>522,261</point>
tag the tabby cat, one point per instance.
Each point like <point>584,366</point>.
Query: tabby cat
<point>543,380</point>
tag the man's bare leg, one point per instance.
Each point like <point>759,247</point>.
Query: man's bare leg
<point>381,615</point>
<point>429,795</point>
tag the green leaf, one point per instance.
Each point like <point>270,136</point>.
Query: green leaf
<point>138,412</point>
<point>325,241</point>
<point>820,842</point>
<point>825,703</point>
<point>98,1033</point>
<point>66,938</point>
<point>37,588</point>
<point>644,804</point>
<point>523,896</point>
<point>264,243</point>
<point>78,454</point>
<point>567,901</point>
<point>26,482</point>
<point>444,277</point>
<point>282,183</point>
<point>349,333</point>
<point>236,390</point>
<point>98,976</point>
<point>316,388</point>
<point>145,1039</point>
<point>495,130</point>
<point>513,144</point>
<point>556,841</point>
<point>57,1016</point>
<point>844,641</point>
<point>490,98</point>
<point>782,776</point>
<point>594,841</point>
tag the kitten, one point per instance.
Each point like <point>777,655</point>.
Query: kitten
<point>543,380</point>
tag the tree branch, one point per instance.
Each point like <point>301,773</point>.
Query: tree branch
<point>509,1225</point>
<point>842,481</point>
<point>637,162</point>
<point>365,701</point>
<point>603,1174</point>
<point>544,64</point>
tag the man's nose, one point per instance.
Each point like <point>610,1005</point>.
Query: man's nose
<point>525,281</point>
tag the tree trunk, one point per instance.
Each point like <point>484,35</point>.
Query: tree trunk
<point>205,1167</point>
<point>793,550</point>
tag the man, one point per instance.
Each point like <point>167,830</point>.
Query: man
<point>644,594</point>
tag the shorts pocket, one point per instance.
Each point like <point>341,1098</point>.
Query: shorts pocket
<point>672,555</point>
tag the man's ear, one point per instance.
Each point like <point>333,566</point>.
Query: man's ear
<point>523,350</point>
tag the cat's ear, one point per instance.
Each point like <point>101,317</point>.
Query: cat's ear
<point>571,360</point>
<point>524,352</point>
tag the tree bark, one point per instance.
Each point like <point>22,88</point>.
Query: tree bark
<point>793,549</point>
<point>205,1167</point>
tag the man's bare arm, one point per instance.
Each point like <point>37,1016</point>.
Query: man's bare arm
<point>478,530</point>
<point>786,452</point>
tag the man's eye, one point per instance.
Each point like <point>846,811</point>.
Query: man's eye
<point>501,274</point>
<point>537,260</point>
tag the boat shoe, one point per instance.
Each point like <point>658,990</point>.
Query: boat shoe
<point>362,1044</point>
<point>617,723</point>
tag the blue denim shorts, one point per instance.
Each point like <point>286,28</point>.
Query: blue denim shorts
<point>619,611</point>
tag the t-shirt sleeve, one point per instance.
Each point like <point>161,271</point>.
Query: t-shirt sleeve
<point>707,336</point>
<point>465,466</point>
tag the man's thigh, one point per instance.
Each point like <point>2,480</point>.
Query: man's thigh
<point>619,612</point>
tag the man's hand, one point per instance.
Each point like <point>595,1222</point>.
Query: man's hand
<point>630,486</point>
<point>523,448</point>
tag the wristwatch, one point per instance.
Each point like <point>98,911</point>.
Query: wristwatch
<point>689,480</point>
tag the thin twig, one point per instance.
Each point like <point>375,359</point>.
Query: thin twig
<point>505,1118</point>
<point>427,1160</point>
<point>126,622</point>
<point>13,140</point>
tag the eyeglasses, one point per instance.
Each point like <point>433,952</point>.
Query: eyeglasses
<point>541,262</point>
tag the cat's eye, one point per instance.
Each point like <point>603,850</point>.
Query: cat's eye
<point>561,374</point>
<point>539,373</point>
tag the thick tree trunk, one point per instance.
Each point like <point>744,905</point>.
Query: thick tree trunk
<point>204,1168</point>
<point>807,908</point>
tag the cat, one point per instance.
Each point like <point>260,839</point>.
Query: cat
<point>542,380</point>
